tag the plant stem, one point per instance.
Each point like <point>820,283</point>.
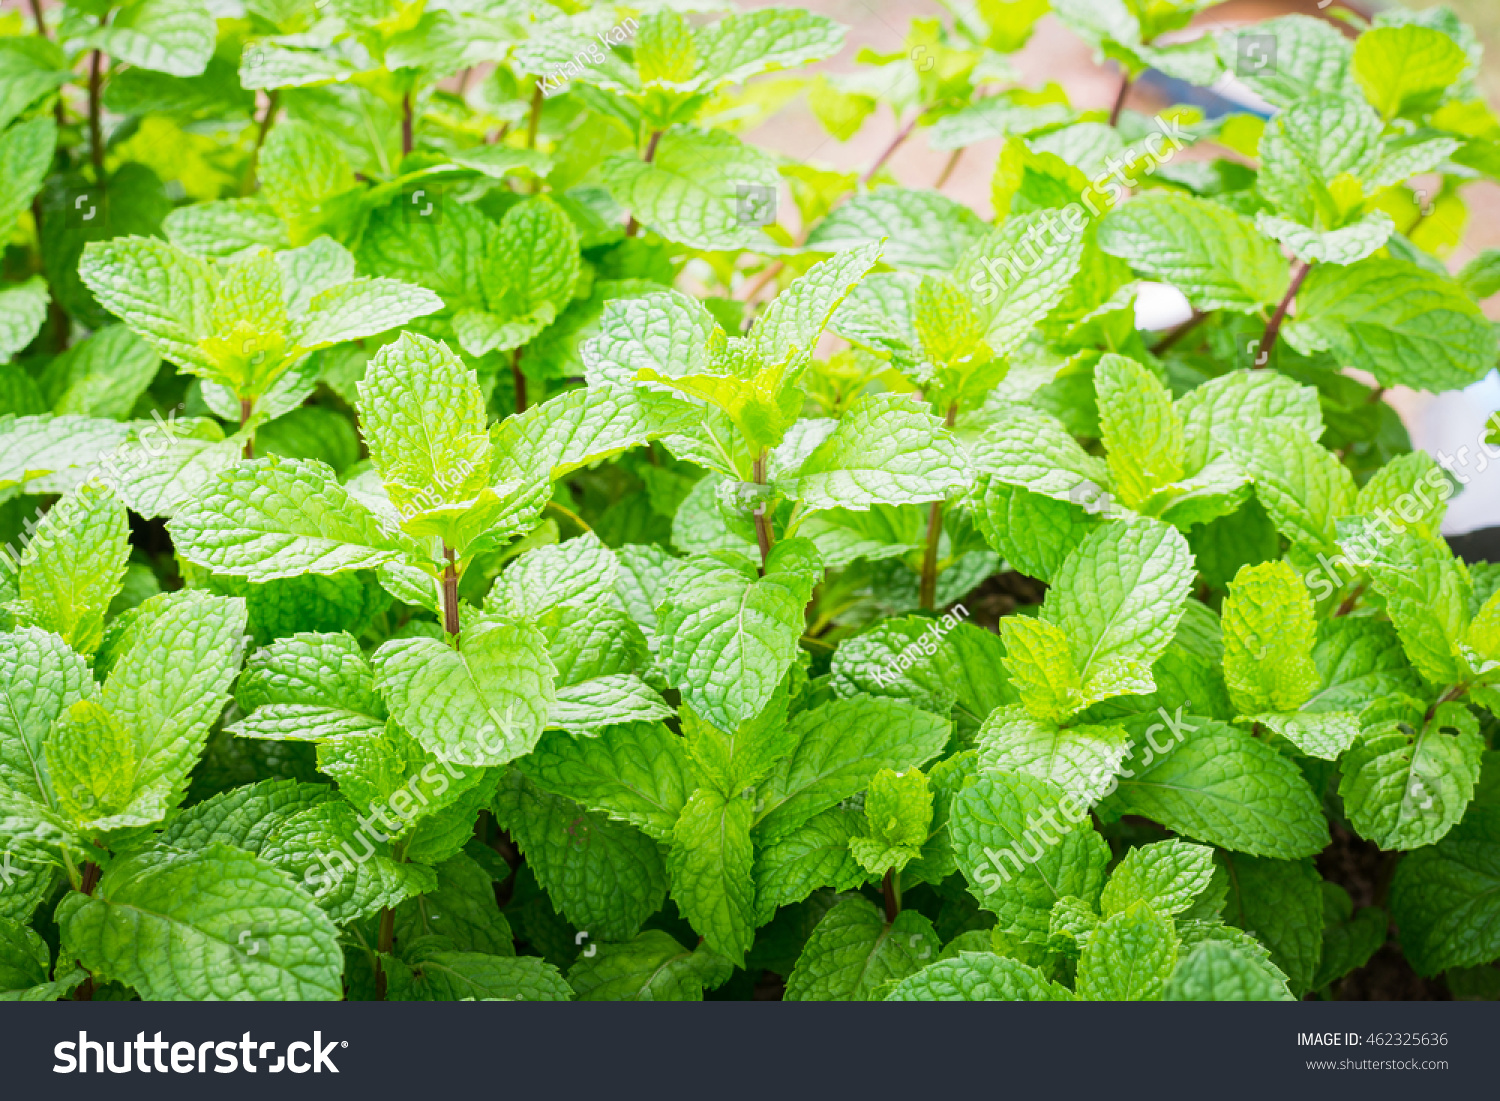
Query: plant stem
<point>406,125</point>
<point>519,378</point>
<point>247,406</point>
<point>1178,332</point>
<point>752,289</point>
<point>1350,602</point>
<point>1115,111</point>
<point>952,163</point>
<point>762,525</point>
<point>450,594</point>
<point>36,14</point>
<point>534,119</point>
<point>901,135</point>
<point>891,888</point>
<point>383,945</point>
<point>927,592</point>
<point>1300,268</point>
<point>571,515</point>
<point>96,114</point>
<point>273,102</point>
<point>633,227</point>
<point>90,880</point>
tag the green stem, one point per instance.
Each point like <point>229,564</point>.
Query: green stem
<point>571,515</point>
<point>927,591</point>
<point>633,227</point>
<point>762,526</point>
<point>273,102</point>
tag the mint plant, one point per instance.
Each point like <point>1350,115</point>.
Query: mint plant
<point>480,527</point>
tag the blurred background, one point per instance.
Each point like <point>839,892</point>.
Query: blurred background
<point>1436,422</point>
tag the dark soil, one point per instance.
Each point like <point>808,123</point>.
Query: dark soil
<point>1365,872</point>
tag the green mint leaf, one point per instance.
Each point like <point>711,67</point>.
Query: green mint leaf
<point>1444,897</point>
<point>484,703</point>
<point>652,967</point>
<point>689,191</point>
<point>1118,598</point>
<point>1129,957</point>
<point>1406,781</point>
<point>839,747</point>
<point>1080,760</point>
<point>634,772</point>
<point>1218,972</point>
<point>23,310</point>
<point>711,863</point>
<point>1406,68</point>
<point>1281,903</point>
<point>1015,276</point>
<point>73,567</point>
<point>1167,875</point>
<point>25,156</point>
<point>605,877</point>
<point>40,677</point>
<point>1268,639</point>
<point>1405,325</point>
<point>979,977</point>
<point>1224,787</point>
<point>1214,256</point>
<point>300,520</point>
<point>854,955</point>
<point>430,972</point>
<point>923,230</point>
<point>885,450</point>
<point>815,854</point>
<point>727,637</point>
<point>169,924</point>
<point>1023,843</point>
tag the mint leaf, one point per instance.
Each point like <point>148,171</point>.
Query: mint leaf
<point>169,924</point>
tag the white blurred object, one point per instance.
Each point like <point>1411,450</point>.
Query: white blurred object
<point>1158,306</point>
<point>1451,425</point>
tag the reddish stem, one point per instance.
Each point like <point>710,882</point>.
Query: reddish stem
<point>450,594</point>
<point>1300,269</point>
<point>633,227</point>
